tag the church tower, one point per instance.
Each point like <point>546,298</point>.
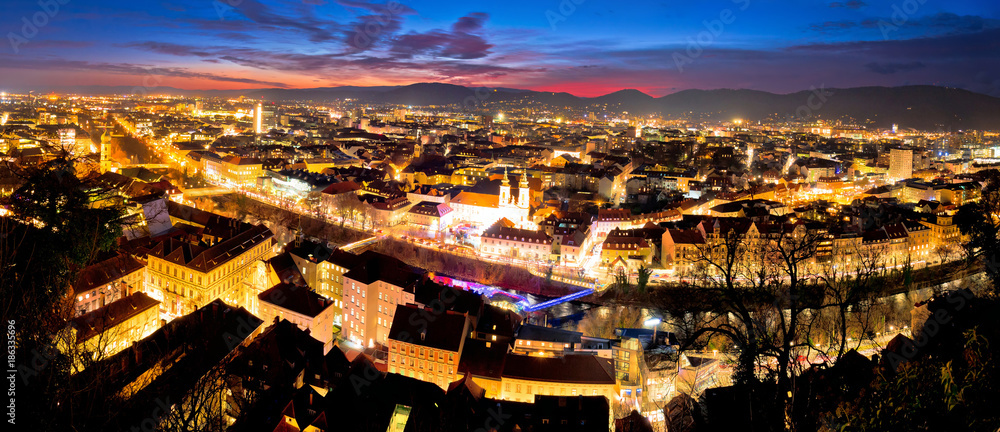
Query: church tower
<point>105,151</point>
<point>505,199</point>
<point>523,194</point>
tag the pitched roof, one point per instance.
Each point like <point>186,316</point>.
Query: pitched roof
<point>572,368</point>
<point>427,208</point>
<point>342,187</point>
<point>446,331</point>
<point>97,321</point>
<point>691,236</point>
<point>106,271</point>
<point>477,199</point>
<point>373,267</point>
<point>500,230</point>
<point>548,334</point>
<point>298,299</point>
<point>207,258</point>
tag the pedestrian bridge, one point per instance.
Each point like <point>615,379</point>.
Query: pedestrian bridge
<point>522,302</point>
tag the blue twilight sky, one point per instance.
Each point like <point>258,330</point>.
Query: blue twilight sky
<point>585,47</point>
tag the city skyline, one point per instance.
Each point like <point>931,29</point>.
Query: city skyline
<point>573,46</point>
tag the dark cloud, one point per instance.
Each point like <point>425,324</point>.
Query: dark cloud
<point>891,68</point>
<point>459,43</point>
<point>59,44</point>
<point>931,25</point>
<point>325,64</point>
<point>833,26</point>
<point>982,45</point>
<point>380,23</point>
<point>168,48</point>
<point>950,23</point>
<point>127,69</point>
<point>471,22</point>
<point>259,17</point>
<point>439,43</point>
<point>853,4</point>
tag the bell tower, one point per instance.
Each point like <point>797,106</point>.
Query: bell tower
<point>523,193</point>
<point>105,151</point>
<point>505,199</point>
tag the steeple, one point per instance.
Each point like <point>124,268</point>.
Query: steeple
<point>505,199</point>
<point>105,160</point>
<point>523,193</point>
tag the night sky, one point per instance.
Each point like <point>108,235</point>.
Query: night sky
<point>588,49</point>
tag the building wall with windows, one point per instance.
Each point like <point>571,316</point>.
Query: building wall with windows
<point>525,376</point>
<point>186,276</point>
<point>369,309</point>
<point>114,327</point>
<point>302,307</point>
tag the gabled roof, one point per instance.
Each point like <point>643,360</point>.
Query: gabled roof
<point>342,187</point>
<point>570,368</point>
<point>691,236</point>
<point>499,230</point>
<point>548,334</point>
<point>97,321</point>
<point>106,271</point>
<point>207,258</point>
<point>427,208</point>
<point>298,299</point>
<point>446,332</point>
<point>477,199</point>
<point>373,267</point>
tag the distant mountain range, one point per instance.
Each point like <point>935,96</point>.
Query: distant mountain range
<point>918,107</point>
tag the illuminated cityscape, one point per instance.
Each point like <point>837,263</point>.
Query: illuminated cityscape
<point>424,248</point>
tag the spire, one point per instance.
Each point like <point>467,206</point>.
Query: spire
<point>505,198</point>
<point>523,199</point>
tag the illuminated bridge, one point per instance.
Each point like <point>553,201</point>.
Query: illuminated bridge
<point>521,302</point>
<point>360,243</point>
<point>557,301</point>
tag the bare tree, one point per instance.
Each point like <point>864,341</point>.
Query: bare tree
<point>602,322</point>
<point>757,290</point>
<point>851,284</point>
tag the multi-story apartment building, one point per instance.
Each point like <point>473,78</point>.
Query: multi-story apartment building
<point>213,259</point>
<point>630,368</point>
<point>371,291</point>
<point>945,237</point>
<point>102,283</point>
<point>503,239</point>
<point>107,330</point>
<point>680,249</point>
<point>900,164</point>
<point>430,215</point>
<point>427,346</point>
<point>302,307</point>
<point>241,171</point>
<point>526,376</point>
<point>626,249</point>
